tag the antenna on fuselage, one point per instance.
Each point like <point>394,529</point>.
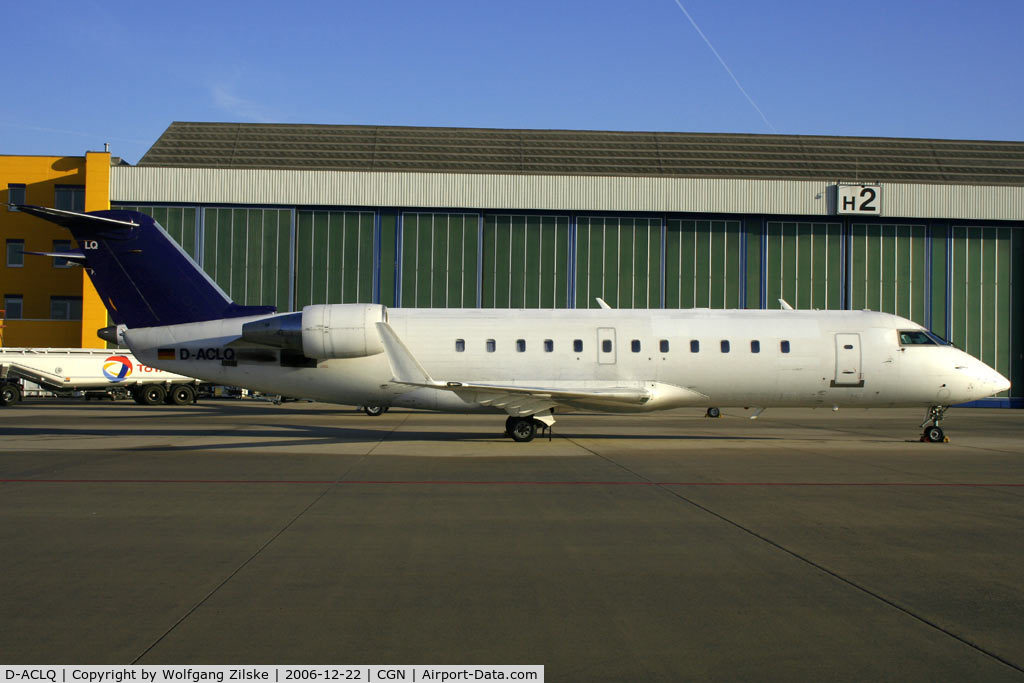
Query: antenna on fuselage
<point>785,306</point>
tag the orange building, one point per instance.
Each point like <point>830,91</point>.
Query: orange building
<point>48,301</point>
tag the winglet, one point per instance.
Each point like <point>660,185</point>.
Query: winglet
<point>404,366</point>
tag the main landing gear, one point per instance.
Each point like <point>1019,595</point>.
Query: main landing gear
<point>375,410</point>
<point>523,429</point>
<point>932,431</point>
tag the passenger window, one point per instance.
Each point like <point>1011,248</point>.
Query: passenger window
<point>635,346</point>
<point>784,346</point>
<point>694,346</point>
<point>549,346</point>
<point>663,346</point>
<point>520,345</point>
<point>606,345</point>
<point>725,346</point>
<point>460,345</point>
<point>755,346</point>
<point>577,345</point>
<point>491,346</point>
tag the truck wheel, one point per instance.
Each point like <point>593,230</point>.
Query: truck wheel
<point>152,394</point>
<point>9,394</point>
<point>181,395</point>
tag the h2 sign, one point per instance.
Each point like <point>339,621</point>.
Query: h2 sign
<point>859,199</point>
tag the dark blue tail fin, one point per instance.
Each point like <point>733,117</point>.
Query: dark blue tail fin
<point>143,276</point>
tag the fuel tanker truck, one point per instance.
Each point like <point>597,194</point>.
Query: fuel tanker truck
<point>111,373</point>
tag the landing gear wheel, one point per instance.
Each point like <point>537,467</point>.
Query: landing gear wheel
<point>375,410</point>
<point>9,394</point>
<point>152,394</point>
<point>932,431</point>
<point>523,429</point>
<point>181,395</point>
<point>713,412</point>
<point>508,425</point>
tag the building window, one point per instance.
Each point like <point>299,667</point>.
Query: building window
<point>491,346</point>
<point>725,346</point>
<point>549,346</point>
<point>606,345</point>
<point>12,306</point>
<point>635,346</point>
<point>577,345</point>
<point>663,346</point>
<point>755,346</point>
<point>62,246</point>
<point>65,308</point>
<point>694,346</point>
<point>69,197</point>
<point>460,345</point>
<point>520,345</point>
<point>15,253</point>
<point>784,346</point>
<point>15,195</point>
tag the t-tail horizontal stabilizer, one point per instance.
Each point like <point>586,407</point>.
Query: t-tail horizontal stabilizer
<point>143,276</point>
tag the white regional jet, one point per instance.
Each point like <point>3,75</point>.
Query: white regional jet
<point>527,364</point>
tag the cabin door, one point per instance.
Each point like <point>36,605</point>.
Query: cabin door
<point>606,345</point>
<point>848,371</point>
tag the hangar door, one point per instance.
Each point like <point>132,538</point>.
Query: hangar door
<point>887,269</point>
<point>439,260</point>
<point>986,287</point>
<point>334,257</point>
<point>248,252</point>
<point>525,262</point>
<point>702,264</point>
<point>619,260</point>
<point>804,264</point>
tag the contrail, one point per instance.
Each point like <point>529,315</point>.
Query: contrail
<point>726,67</point>
<point>22,126</point>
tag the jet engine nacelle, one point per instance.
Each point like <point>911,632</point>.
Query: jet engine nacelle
<point>342,330</point>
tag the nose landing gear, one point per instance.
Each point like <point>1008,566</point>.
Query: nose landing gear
<point>932,431</point>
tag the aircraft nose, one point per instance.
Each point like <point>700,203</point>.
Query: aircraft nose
<point>991,380</point>
<point>1001,383</point>
<point>982,380</point>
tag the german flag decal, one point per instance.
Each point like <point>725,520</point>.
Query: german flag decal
<point>165,354</point>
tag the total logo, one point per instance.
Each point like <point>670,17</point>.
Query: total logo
<point>116,368</point>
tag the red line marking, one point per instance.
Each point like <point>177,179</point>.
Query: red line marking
<point>448,482</point>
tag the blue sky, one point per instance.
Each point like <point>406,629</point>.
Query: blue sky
<point>83,73</point>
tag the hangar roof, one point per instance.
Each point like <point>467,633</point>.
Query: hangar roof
<point>589,153</point>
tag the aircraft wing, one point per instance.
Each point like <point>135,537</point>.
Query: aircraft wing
<point>517,399</point>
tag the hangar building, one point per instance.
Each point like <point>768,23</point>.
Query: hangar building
<point>292,215</point>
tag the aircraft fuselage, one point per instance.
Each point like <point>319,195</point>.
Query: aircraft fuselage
<point>722,357</point>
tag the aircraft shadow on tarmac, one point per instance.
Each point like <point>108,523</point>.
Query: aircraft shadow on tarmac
<point>309,435</point>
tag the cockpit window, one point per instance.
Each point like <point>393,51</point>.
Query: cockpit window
<point>939,340</point>
<point>915,338</point>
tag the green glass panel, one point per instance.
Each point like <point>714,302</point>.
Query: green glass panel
<point>754,273</point>
<point>940,236</point>
<point>388,256</point>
